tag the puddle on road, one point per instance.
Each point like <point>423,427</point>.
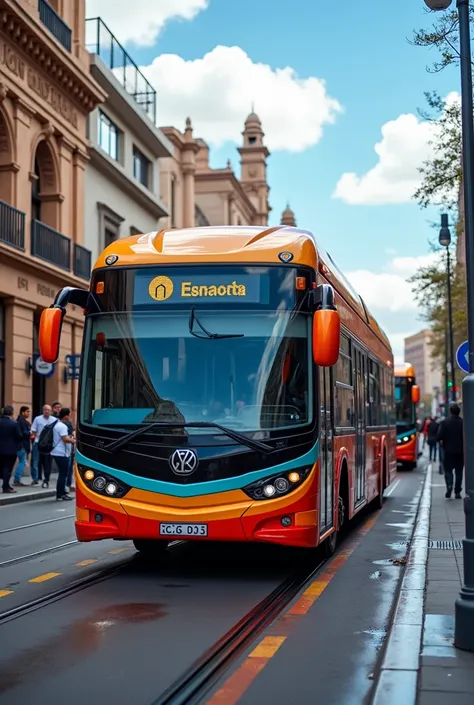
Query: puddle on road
<point>79,639</point>
<point>383,561</point>
<point>376,576</point>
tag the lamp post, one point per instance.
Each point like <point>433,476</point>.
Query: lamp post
<point>464,614</point>
<point>445,241</point>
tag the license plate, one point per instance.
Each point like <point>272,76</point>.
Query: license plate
<point>183,530</point>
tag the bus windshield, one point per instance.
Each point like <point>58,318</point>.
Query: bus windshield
<point>143,367</point>
<point>405,408</point>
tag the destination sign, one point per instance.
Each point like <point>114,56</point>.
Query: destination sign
<point>181,288</point>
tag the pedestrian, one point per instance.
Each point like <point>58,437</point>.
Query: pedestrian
<point>450,436</point>
<point>56,407</point>
<point>41,463</point>
<point>432,435</point>
<point>25,448</point>
<point>70,474</point>
<point>441,451</point>
<point>10,441</point>
<point>425,430</point>
<point>61,452</point>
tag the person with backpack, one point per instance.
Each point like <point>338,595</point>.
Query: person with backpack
<point>62,444</point>
<point>10,441</point>
<point>41,460</point>
<point>450,436</point>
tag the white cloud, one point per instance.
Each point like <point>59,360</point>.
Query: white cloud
<point>217,92</point>
<point>404,147</point>
<point>141,21</point>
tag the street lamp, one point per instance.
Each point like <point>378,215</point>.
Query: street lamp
<point>464,622</point>
<point>445,241</point>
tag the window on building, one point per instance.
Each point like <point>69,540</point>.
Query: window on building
<point>2,355</point>
<point>110,236</point>
<point>135,231</point>
<point>252,140</point>
<point>108,136</point>
<point>141,167</point>
<point>109,225</point>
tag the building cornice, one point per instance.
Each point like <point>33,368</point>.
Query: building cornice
<point>61,67</point>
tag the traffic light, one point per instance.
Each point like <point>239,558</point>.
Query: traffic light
<point>450,384</point>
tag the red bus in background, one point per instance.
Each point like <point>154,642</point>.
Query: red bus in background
<point>407,396</point>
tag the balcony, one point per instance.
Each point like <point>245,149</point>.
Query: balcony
<point>55,24</point>
<point>49,245</point>
<point>12,226</point>
<point>101,42</point>
<point>82,262</point>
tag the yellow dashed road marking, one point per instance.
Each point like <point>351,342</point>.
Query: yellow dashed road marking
<point>43,578</point>
<point>267,647</point>
<point>4,593</point>
<point>88,561</point>
<point>115,551</point>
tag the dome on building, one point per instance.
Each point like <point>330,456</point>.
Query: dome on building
<point>253,121</point>
<point>288,217</point>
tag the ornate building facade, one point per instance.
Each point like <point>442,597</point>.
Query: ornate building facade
<point>46,95</point>
<point>197,194</point>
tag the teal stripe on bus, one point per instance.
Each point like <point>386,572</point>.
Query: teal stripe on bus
<point>201,488</point>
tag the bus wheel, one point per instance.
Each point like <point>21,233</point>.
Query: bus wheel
<point>330,543</point>
<point>150,548</point>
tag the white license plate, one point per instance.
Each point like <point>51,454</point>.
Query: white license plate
<point>183,530</point>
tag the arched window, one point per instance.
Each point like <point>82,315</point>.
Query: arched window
<point>35,193</point>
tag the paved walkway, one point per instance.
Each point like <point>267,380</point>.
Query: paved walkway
<point>446,674</point>
<point>30,492</point>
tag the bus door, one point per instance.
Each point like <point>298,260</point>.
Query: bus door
<point>326,463</point>
<point>359,363</point>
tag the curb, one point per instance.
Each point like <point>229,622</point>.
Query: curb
<point>398,676</point>
<point>26,497</point>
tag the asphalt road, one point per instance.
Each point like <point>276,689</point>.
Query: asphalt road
<point>128,638</point>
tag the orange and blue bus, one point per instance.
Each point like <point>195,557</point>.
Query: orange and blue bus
<point>233,387</point>
<point>407,396</point>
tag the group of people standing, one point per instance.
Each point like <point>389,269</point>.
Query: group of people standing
<point>447,435</point>
<point>50,438</point>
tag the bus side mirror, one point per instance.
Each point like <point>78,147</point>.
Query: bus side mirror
<point>415,394</point>
<point>50,333</point>
<point>326,337</point>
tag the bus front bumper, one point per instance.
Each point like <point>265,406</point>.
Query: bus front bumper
<point>228,516</point>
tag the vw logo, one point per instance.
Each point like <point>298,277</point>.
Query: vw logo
<point>184,462</point>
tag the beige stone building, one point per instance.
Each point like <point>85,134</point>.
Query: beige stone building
<point>428,372</point>
<point>197,194</point>
<point>46,96</point>
<point>122,184</point>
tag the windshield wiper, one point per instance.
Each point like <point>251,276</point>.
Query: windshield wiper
<point>235,435</point>
<point>213,336</point>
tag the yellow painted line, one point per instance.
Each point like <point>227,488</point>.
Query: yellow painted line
<point>88,561</point>
<point>43,578</point>
<point>267,647</point>
<point>4,593</point>
<point>115,551</point>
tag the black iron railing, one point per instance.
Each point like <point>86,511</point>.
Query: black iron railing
<point>101,41</point>
<point>12,226</point>
<point>55,24</point>
<point>82,262</point>
<point>48,244</point>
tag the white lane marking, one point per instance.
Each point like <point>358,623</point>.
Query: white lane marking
<point>392,488</point>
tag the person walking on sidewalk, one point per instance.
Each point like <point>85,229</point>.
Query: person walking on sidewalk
<point>41,464</point>
<point>450,436</point>
<point>25,448</point>
<point>10,441</point>
<point>432,433</point>
<point>62,446</point>
<point>441,450</point>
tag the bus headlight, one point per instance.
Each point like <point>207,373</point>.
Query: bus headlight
<point>277,485</point>
<point>102,483</point>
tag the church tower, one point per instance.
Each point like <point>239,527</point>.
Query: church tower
<point>254,156</point>
<point>288,217</point>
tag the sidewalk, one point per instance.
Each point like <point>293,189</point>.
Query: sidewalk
<point>30,492</point>
<point>420,665</point>
<point>446,673</point>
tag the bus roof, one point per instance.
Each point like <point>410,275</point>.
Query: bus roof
<point>243,244</point>
<point>404,369</point>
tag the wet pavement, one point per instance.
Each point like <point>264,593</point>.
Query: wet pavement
<point>128,638</point>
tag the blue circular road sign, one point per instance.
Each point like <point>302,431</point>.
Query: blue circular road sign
<point>462,356</point>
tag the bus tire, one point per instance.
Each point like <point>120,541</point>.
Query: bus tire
<point>330,544</point>
<point>150,548</point>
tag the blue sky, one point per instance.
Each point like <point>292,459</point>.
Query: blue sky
<point>360,50</point>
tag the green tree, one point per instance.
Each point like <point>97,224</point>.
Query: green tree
<point>443,36</point>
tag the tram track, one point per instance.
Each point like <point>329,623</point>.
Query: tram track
<point>35,554</point>
<point>206,671</point>
<point>36,523</point>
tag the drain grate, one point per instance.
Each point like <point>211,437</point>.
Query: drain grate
<point>453,545</point>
